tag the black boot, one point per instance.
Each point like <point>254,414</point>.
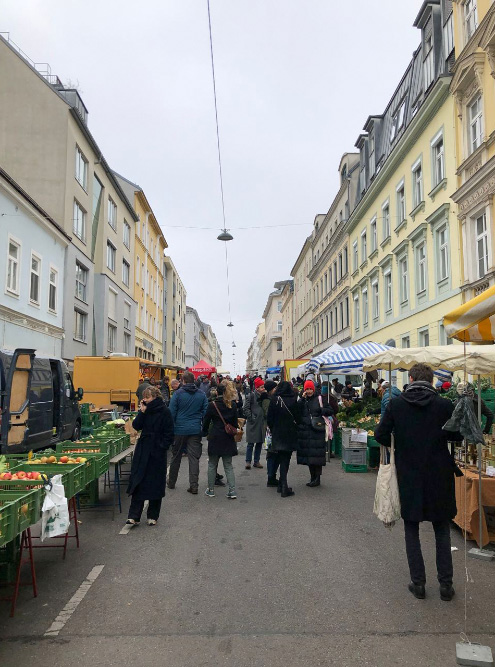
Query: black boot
<point>272,481</point>
<point>279,487</point>
<point>313,476</point>
<point>286,491</point>
<point>447,592</point>
<point>315,481</point>
<point>418,590</point>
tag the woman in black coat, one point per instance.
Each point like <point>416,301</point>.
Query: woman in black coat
<point>149,464</point>
<point>221,445</point>
<point>311,448</point>
<point>282,418</point>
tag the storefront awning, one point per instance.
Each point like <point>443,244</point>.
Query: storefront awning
<point>474,321</point>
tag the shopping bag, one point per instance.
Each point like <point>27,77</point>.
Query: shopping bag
<point>387,500</point>
<point>268,440</point>
<point>55,511</point>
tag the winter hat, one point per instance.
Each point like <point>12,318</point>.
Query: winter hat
<point>439,384</point>
<point>385,384</point>
<point>446,385</point>
<point>258,383</point>
<point>309,384</point>
<point>269,385</point>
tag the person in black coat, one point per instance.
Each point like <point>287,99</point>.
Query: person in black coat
<point>149,464</point>
<point>221,445</point>
<point>311,447</point>
<point>282,418</point>
<point>425,472</point>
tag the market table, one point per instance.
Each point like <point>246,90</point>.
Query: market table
<point>466,493</point>
<point>116,461</point>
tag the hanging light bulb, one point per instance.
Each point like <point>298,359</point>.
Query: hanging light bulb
<point>225,236</point>
<point>233,344</point>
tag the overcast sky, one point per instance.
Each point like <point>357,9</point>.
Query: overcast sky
<point>296,80</point>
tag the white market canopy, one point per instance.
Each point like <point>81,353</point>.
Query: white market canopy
<point>478,360</point>
<point>474,321</point>
<point>347,360</point>
<point>318,360</point>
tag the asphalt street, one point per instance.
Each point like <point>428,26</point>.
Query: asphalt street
<point>309,580</point>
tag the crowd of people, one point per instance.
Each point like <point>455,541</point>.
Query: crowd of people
<point>300,416</point>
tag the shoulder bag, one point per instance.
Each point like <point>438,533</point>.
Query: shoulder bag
<point>387,500</point>
<point>229,428</point>
<point>318,423</point>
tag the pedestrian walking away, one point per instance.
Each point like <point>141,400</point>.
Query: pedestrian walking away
<point>311,447</point>
<point>282,420</point>
<point>188,407</point>
<point>425,473</point>
<point>255,423</point>
<point>221,413</point>
<point>144,384</point>
<point>149,463</point>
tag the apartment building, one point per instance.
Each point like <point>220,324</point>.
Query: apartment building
<point>303,302</point>
<point>193,332</point>
<point>329,274</point>
<point>32,267</point>
<point>256,350</point>
<point>174,317</point>
<point>272,316</point>
<point>149,249</point>
<point>53,156</point>
<point>403,231</point>
<point>473,91</point>
<point>287,320</point>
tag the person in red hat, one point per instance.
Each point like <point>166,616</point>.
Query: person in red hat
<point>311,443</point>
<point>255,422</point>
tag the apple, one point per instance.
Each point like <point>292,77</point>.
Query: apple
<point>25,508</point>
<point>44,459</point>
<point>64,459</point>
<point>7,475</point>
<point>21,474</point>
<point>52,459</point>
<point>14,477</point>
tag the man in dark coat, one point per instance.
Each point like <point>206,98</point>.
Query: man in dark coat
<point>149,464</point>
<point>312,447</point>
<point>255,423</point>
<point>425,471</point>
<point>144,384</point>
<point>282,419</point>
<point>165,390</point>
<point>349,393</point>
<point>188,407</point>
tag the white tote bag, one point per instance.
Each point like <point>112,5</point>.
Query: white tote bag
<point>55,512</point>
<point>387,500</point>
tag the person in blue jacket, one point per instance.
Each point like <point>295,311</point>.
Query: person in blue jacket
<point>387,395</point>
<point>188,407</point>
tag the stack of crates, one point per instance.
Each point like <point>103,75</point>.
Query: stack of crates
<point>354,454</point>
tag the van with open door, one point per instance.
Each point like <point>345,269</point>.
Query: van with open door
<point>38,403</point>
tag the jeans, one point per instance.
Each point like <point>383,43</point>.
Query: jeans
<point>257,452</point>
<point>445,570</point>
<point>272,464</point>
<point>194,449</point>
<point>136,509</point>
<point>227,466</point>
<point>283,460</point>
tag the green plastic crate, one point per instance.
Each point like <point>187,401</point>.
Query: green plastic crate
<point>337,443</point>
<point>373,453</point>
<point>18,511</point>
<point>90,495</point>
<point>8,516</point>
<point>9,559</point>
<point>50,469</point>
<point>349,467</point>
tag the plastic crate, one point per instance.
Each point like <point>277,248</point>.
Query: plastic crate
<point>50,469</point>
<point>337,443</point>
<point>8,516</point>
<point>9,558</point>
<point>98,462</point>
<point>18,511</point>
<point>90,495</point>
<point>354,456</point>
<point>373,453</point>
<point>347,442</point>
<point>351,467</point>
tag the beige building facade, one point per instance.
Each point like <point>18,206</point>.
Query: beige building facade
<point>288,320</point>
<point>302,307</point>
<point>174,323</point>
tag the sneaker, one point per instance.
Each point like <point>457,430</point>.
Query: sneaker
<point>132,522</point>
<point>210,493</point>
<point>248,466</point>
<point>151,522</point>
<point>231,495</point>
<point>257,465</point>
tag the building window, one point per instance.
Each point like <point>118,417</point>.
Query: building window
<point>406,342</point>
<point>443,253</point>
<point>127,343</point>
<point>341,315</point>
<point>112,304</point>
<point>424,337</point>
<point>401,204</point>
<point>386,221</point>
<point>111,254</point>
<point>112,213</point>
<point>364,246</point>
<point>362,180</point>
<point>52,290</point>
<point>80,325</point>
<point>365,307</point>
<point>79,227</point>
<point>375,294</point>
<point>81,281</point>
<point>346,261</point>
<point>34,280</point>
<point>279,325</point>
<point>127,315</point>
<point>470,18</point>
<point>81,169</point>
<point>398,120</point>
<point>347,310</point>
<point>388,291</point>
<point>428,62</point>
<point>438,160</point>
<point>448,36</point>
<point>442,336</point>
<point>475,123</point>
<point>354,256</point>
<point>374,237</point>
<point>356,312</point>
<point>112,338</point>
<point>279,306</point>
<point>417,173</point>
<point>481,245</point>
<point>127,235</point>
<point>371,146</point>
<point>421,267</point>
<point>13,261</point>
<point>403,277</point>
<point>126,271</point>
<point>138,267</point>
<point>341,266</point>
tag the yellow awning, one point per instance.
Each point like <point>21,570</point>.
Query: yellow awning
<point>474,321</point>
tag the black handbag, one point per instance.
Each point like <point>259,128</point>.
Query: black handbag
<point>317,424</point>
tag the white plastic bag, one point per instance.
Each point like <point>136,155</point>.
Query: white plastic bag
<point>268,440</point>
<point>387,500</point>
<point>55,511</point>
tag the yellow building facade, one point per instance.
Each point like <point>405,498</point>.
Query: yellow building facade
<point>473,89</point>
<point>404,239</point>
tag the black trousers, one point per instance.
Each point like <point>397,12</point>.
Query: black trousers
<point>283,461</point>
<point>445,570</point>
<point>315,471</point>
<point>136,508</point>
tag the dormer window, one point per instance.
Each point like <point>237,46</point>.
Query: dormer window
<point>428,62</point>
<point>470,18</point>
<point>372,154</point>
<point>343,173</point>
<point>398,120</point>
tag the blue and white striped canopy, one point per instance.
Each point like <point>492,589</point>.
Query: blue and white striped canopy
<point>348,360</point>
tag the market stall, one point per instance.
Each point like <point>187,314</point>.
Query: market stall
<point>202,368</point>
